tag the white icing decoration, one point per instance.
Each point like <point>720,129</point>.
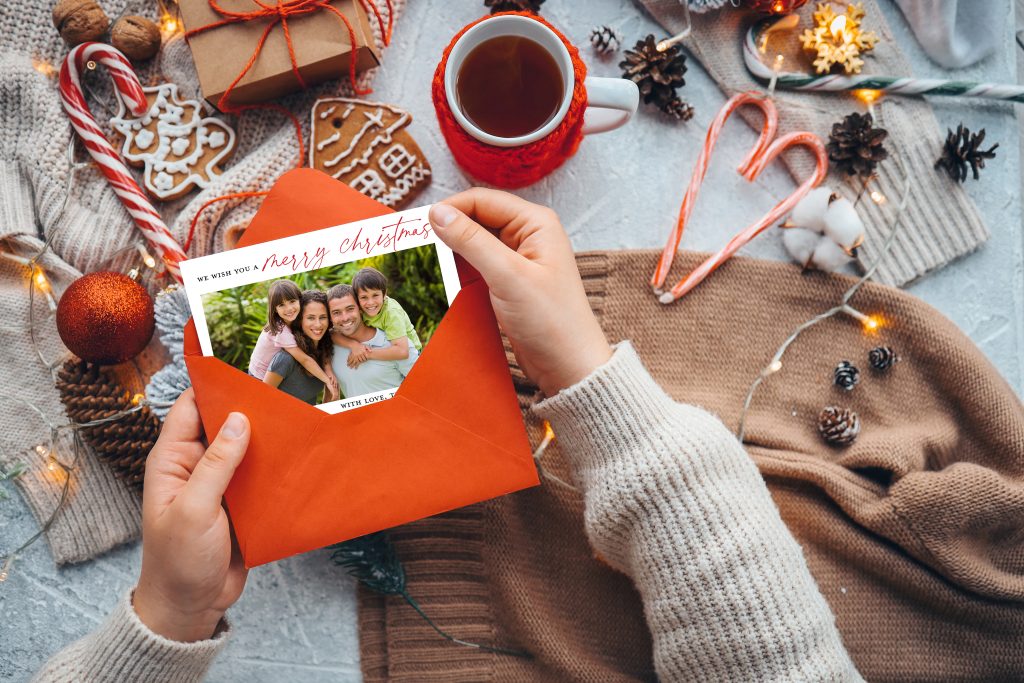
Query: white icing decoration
<point>178,124</point>
<point>179,146</point>
<point>144,138</point>
<point>163,181</point>
<point>404,170</point>
<point>327,141</point>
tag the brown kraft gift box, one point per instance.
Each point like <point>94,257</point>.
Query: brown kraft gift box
<point>320,39</point>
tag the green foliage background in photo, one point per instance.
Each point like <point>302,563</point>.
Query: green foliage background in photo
<point>235,317</point>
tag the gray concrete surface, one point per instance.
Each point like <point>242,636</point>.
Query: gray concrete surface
<point>297,617</point>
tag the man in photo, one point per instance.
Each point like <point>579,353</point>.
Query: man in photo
<point>372,375</point>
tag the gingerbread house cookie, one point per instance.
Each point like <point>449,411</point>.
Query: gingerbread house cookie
<point>178,147</point>
<point>365,144</point>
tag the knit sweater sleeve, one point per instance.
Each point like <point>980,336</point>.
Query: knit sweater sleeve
<point>673,501</point>
<point>124,649</point>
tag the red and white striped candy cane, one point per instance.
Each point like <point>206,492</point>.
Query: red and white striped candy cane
<point>781,209</point>
<point>127,86</point>
<point>771,124</point>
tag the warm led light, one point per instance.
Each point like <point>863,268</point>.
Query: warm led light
<point>877,197</point>
<point>867,95</point>
<point>41,449</point>
<point>779,59</point>
<point>147,258</point>
<point>3,576</point>
<point>51,464</point>
<point>872,323</point>
<point>137,399</point>
<point>168,25</point>
<point>779,7</point>
<point>774,366</point>
<point>549,433</point>
<point>838,27</point>
<point>44,67</point>
<point>90,65</point>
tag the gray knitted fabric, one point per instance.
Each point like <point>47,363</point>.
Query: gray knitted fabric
<point>94,232</point>
<point>941,223</point>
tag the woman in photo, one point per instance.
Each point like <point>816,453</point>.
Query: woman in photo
<point>310,330</point>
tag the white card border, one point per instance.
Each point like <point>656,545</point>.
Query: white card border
<point>192,269</point>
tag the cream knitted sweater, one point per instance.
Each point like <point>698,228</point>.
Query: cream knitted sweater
<point>672,500</point>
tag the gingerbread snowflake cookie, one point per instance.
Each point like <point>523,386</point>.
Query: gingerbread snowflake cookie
<point>178,147</point>
<point>365,144</point>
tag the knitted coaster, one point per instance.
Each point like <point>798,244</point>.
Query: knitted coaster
<point>513,167</point>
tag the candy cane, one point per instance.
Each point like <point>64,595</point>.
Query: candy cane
<point>781,209</point>
<point>771,124</point>
<point>893,85</point>
<point>127,87</point>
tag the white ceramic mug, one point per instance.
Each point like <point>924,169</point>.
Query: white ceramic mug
<point>611,102</point>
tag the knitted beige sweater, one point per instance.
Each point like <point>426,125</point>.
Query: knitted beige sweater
<point>667,488</point>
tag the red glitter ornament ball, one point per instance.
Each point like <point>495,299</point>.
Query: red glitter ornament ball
<point>105,318</point>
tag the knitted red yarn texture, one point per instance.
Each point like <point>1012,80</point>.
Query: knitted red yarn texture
<point>512,167</point>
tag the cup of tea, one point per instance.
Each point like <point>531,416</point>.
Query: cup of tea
<point>509,81</point>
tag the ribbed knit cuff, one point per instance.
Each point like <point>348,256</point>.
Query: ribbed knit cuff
<point>17,210</point>
<point>124,649</point>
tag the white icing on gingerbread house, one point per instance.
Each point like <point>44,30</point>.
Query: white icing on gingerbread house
<point>365,144</point>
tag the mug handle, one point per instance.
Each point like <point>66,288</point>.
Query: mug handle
<point>611,102</point>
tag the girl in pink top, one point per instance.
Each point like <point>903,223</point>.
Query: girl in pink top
<point>282,309</point>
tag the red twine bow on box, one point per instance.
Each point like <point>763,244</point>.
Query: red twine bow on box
<point>279,12</point>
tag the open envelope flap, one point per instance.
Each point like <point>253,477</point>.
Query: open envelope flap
<point>452,436</point>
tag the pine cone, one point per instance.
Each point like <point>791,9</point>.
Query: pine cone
<point>962,150</point>
<point>605,39</point>
<point>838,426</point>
<point>657,74</point>
<point>90,392</point>
<point>496,6</point>
<point>882,358</point>
<point>846,375</point>
<point>678,109</point>
<point>855,147</point>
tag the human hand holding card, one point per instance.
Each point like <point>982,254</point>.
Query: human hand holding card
<point>451,435</point>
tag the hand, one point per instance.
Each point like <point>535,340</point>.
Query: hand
<point>357,356</point>
<point>192,570</point>
<point>536,291</point>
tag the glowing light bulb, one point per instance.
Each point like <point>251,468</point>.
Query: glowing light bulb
<point>872,323</point>
<point>877,197</point>
<point>137,399</point>
<point>168,24</point>
<point>838,27</point>
<point>147,258</point>
<point>3,576</point>
<point>44,67</point>
<point>51,463</point>
<point>779,7</point>
<point>774,367</point>
<point>41,449</point>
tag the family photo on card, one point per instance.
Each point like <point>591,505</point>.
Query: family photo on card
<point>336,318</point>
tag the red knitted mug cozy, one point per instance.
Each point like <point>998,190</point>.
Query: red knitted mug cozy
<point>512,167</point>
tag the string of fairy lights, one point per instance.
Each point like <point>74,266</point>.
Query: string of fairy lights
<point>58,470</point>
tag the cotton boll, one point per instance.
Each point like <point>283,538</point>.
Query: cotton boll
<point>843,225</point>
<point>829,256</point>
<point>800,243</point>
<point>809,212</point>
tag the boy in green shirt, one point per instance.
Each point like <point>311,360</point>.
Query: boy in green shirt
<point>384,313</point>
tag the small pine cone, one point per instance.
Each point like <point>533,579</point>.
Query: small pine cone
<point>657,74</point>
<point>89,393</point>
<point>838,426</point>
<point>961,150</point>
<point>605,39</point>
<point>882,358</point>
<point>846,375</point>
<point>855,146</point>
<point>678,109</point>
<point>496,6</point>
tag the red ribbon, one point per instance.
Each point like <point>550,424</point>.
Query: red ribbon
<point>280,12</point>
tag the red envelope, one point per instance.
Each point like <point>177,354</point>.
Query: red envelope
<point>453,434</point>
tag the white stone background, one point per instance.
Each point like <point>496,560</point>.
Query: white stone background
<point>622,190</point>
